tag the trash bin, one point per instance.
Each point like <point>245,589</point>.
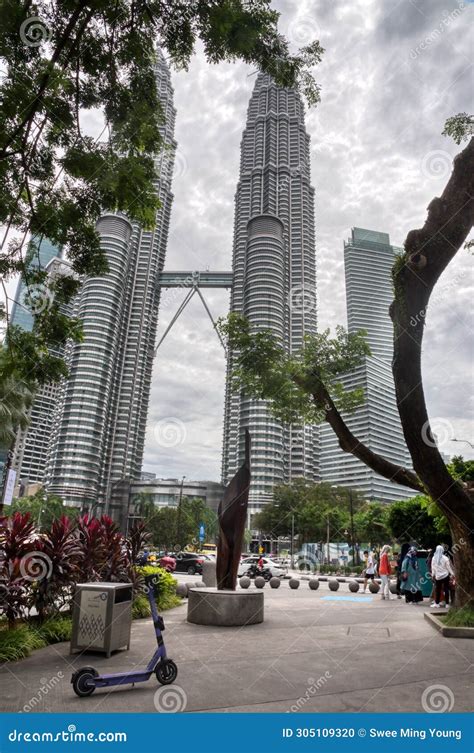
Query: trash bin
<point>101,617</point>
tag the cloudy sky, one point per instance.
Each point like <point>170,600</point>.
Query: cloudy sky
<point>391,75</point>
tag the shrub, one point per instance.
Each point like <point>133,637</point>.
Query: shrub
<point>140,607</point>
<point>59,553</point>
<point>166,598</point>
<point>56,629</point>
<point>17,541</point>
<point>19,643</point>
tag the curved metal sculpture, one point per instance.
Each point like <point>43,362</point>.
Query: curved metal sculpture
<point>232,519</point>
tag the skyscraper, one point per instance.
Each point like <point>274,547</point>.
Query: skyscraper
<point>274,269</point>
<point>368,261</point>
<point>30,451</point>
<point>99,440</point>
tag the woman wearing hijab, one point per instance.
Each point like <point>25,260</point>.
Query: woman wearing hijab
<point>410,576</point>
<point>441,570</point>
<point>384,571</point>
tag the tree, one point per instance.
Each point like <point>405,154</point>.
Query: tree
<point>63,60</point>
<point>371,523</point>
<point>409,521</point>
<point>311,506</point>
<point>305,387</point>
<point>461,470</point>
<point>43,508</point>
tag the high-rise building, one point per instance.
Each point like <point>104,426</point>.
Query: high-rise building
<point>30,451</point>
<point>368,261</point>
<point>99,440</point>
<point>274,268</point>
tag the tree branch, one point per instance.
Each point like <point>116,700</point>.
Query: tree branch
<point>348,442</point>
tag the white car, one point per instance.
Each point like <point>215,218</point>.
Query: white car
<point>245,564</point>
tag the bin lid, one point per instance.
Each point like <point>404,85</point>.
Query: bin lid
<point>103,585</point>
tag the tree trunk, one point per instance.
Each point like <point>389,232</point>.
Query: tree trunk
<point>428,252</point>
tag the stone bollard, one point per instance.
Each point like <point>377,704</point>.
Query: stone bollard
<point>275,582</point>
<point>209,574</point>
<point>244,582</point>
<point>354,586</point>
<point>314,584</point>
<point>294,583</point>
<point>182,590</point>
<point>374,587</point>
<point>333,585</point>
<point>259,582</point>
<point>393,587</point>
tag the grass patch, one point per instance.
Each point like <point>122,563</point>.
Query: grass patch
<point>56,629</point>
<point>463,617</point>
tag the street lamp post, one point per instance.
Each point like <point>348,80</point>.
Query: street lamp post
<point>178,524</point>
<point>292,540</point>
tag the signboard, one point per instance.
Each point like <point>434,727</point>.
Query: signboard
<point>202,532</point>
<point>9,486</point>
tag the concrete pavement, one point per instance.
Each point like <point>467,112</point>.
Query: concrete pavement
<point>314,652</point>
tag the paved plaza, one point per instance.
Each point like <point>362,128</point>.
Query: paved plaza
<point>315,652</point>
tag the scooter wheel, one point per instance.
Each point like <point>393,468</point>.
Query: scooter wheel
<point>166,672</point>
<point>81,681</point>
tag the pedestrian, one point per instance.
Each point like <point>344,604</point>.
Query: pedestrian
<point>369,572</point>
<point>396,567</point>
<point>441,571</point>
<point>410,577</point>
<point>384,571</point>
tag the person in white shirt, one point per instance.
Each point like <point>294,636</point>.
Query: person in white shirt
<point>441,571</point>
<point>370,568</point>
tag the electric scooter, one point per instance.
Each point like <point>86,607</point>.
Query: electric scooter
<point>87,679</point>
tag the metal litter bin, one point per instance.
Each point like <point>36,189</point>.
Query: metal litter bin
<point>101,617</point>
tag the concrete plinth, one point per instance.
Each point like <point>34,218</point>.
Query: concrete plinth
<point>209,573</point>
<point>208,606</point>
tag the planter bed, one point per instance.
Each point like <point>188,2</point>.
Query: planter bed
<point>447,630</point>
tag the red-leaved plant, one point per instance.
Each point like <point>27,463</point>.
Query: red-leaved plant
<point>17,543</point>
<point>60,551</point>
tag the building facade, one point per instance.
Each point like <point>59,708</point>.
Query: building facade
<point>31,448</point>
<point>99,440</point>
<point>368,262</point>
<point>274,279</point>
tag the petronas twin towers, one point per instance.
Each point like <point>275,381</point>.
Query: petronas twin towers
<point>274,266</point>
<point>98,431</point>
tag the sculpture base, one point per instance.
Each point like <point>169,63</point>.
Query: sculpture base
<point>208,606</point>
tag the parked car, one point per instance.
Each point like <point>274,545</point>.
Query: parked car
<point>268,564</point>
<point>168,563</point>
<point>188,562</point>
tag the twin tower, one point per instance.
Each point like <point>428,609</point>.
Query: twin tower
<point>100,427</point>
